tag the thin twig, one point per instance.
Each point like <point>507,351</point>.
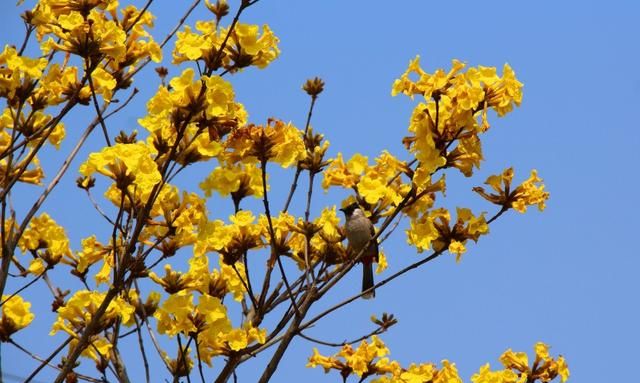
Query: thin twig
<point>294,184</point>
<point>199,359</point>
<point>377,331</point>
<point>123,105</point>
<point>46,362</point>
<point>97,108</point>
<point>21,289</point>
<point>141,345</point>
<point>272,237</point>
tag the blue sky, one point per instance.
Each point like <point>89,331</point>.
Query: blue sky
<point>567,276</point>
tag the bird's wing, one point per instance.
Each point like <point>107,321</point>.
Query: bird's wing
<point>373,248</point>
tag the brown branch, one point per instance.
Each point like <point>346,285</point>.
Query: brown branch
<point>34,280</point>
<point>292,331</point>
<point>141,345</point>
<point>149,330</point>
<point>123,105</point>
<point>199,358</point>
<point>142,12</point>
<point>46,362</point>
<point>30,28</point>
<point>272,239</point>
<point>246,286</point>
<point>377,331</point>
<point>97,108</point>
<point>294,184</point>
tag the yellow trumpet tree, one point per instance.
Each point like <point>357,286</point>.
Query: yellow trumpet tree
<point>91,51</point>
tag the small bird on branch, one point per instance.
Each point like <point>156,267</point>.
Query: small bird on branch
<point>360,231</point>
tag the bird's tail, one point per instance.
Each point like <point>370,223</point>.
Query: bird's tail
<point>367,280</point>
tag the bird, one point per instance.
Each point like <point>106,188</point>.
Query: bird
<point>360,230</point>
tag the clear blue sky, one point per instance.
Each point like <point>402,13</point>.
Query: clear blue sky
<point>568,276</point>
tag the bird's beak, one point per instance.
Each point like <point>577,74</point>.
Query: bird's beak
<point>342,209</point>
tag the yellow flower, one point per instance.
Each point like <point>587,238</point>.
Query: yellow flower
<point>422,232</point>
<point>44,233</point>
<point>466,155</point>
<point>422,126</point>
<point>278,142</point>
<point>382,262</point>
<point>506,92</point>
<point>174,314</point>
<point>542,352</point>
<point>92,252</point>
<point>212,309</point>
<point>485,375</point>
<point>130,165</point>
<point>18,68</point>
<point>243,179</point>
<point>457,248</point>
<point>447,374</point>
<point>189,45</point>
<point>15,316</point>
<point>419,373</point>
<point>515,360</point>
<point>346,175</point>
<point>232,279</point>
<point>372,189</point>
<point>530,192</point>
<point>78,311</point>
<point>37,266</point>
<point>563,369</point>
<point>103,83</point>
<point>325,362</point>
<point>97,349</point>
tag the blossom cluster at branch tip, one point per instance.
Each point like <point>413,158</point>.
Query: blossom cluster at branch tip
<point>518,370</point>
<point>370,359</point>
<point>16,315</point>
<point>530,192</point>
<point>247,45</point>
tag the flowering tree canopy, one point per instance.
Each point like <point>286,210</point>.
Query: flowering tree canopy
<point>130,278</point>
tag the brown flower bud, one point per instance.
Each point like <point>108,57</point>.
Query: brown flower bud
<point>123,138</point>
<point>86,182</point>
<point>220,9</point>
<point>162,72</point>
<point>313,86</point>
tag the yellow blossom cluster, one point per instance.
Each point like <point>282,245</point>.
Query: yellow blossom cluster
<point>176,218</point>
<point>239,180</point>
<point>130,166</point>
<point>208,319</point>
<point>15,316</point>
<point>91,28</point>
<point>77,312</point>
<point>198,112</point>
<point>530,192</point>
<point>518,370</point>
<point>308,243</point>
<point>379,185</point>
<point>246,46</point>
<point>16,70</point>
<point>277,141</point>
<point>47,241</point>
<point>216,283</point>
<point>371,359</point>
<point>92,252</point>
<point>454,108</point>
